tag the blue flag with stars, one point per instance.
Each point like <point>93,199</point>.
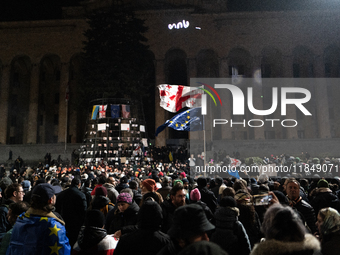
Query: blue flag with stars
<point>189,120</point>
<point>33,234</point>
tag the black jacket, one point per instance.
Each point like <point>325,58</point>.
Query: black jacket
<point>4,224</point>
<point>208,197</point>
<point>323,197</point>
<point>99,202</point>
<point>230,233</point>
<point>71,205</point>
<point>308,213</point>
<point>168,210</point>
<point>125,220</point>
<point>147,239</point>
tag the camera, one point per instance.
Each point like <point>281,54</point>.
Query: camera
<point>263,199</point>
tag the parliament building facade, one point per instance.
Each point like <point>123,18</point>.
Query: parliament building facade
<point>40,61</point>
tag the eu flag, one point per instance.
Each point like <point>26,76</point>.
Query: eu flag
<point>115,110</point>
<point>189,120</point>
<point>39,235</point>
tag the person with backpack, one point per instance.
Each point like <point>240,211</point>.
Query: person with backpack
<point>100,201</point>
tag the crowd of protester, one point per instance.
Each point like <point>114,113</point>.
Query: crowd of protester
<point>163,208</point>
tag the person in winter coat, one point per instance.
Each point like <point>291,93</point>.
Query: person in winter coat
<point>93,239</point>
<point>122,184</point>
<point>125,216</point>
<point>207,196</point>
<point>248,216</point>
<point>190,225</point>
<point>328,223</point>
<point>148,239</point>
<point>285,234</point>
<point>72,205</point>
<point>195,197</point>
<point>112,193</point>
<point>322,197</point>
<point>230,233</point>
<point>100,201</point>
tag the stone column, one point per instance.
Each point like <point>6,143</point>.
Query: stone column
<point>33,105</point>
<point>257,99</point>
<point>64,77</point>
<point>287,72</point>
<point>226,99</point>
<point>160,113</point>
<point>321,97</point>
<point>4,101</point>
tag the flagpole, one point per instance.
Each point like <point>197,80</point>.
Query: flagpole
<point>66,126</point>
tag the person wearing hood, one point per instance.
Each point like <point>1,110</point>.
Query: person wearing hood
<point>150,219</point>
<point>124,217</point>
<point>323,197</point>
<point>230,233</point>
<point>112,193</point>
<point>100,201</point>
<point>93,238</point>
<point>328,223</point>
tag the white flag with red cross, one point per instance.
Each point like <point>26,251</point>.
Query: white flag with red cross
<point>175,97</point>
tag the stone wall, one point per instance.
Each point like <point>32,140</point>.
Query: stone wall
<point>36,152</point>
<point>248,148</point>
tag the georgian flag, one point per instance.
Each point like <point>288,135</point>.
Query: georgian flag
<point>175,97</point>
<point>235,162</point>
<point>102,111</point>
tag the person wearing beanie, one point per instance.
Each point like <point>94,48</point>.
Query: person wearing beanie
<point>122,184</point>
<point>195,198</point>
<point>147,239</point>
<point>149,185</point>
<point>207,196</point>
<point>322,197</point>
<point>124,218</point>
<point>93,238</point>
<point>182,175</point>
<point>100,201</point>
<point>230,233</point>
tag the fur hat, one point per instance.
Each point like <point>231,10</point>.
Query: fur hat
<point>195,195</point>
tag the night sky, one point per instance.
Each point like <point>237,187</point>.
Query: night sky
<point>21,10</point>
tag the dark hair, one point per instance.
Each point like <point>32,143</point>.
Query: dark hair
<point>175,189</point>
<point>283,224</point>
<point>11,188</point>
<point>102,179</point>
<point>75,181</point>
<point>133,184</point>
<point>19,207</point>
<point>228,191</point>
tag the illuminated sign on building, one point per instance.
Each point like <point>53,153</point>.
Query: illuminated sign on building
<point>183,24</point>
